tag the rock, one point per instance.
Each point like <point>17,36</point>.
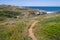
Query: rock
<point>18,17</point>
<point>40,12</point>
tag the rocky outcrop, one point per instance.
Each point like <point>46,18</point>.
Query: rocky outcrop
<point>33,13</point>
<point>40,12</point>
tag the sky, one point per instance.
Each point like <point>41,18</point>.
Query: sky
<point>31,2</point>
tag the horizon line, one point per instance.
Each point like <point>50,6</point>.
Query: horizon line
<point>29,6</point>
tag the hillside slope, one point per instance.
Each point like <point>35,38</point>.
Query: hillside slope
<point>19,12</point>
<point>46,28</point>
<point>18,29</point>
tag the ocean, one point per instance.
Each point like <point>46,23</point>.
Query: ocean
<point>48,9</point>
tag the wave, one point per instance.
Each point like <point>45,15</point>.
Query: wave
<point>50,12</point>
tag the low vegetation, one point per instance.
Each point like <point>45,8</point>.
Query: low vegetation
<point>48,28</point>
<point>11,28</point>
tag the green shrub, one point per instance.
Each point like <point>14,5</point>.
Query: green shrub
<point>58,12</point>
<point>10,14</point>
<point>2,18</point>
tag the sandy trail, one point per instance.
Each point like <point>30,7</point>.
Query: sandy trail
<point>30,30</point>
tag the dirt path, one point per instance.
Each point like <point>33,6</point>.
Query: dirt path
<point>31,34</point>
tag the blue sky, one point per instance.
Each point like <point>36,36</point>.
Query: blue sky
<point>31,2</point>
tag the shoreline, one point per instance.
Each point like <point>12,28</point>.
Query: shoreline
<point>50,12</point>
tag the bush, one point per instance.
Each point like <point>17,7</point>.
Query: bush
<point>58,12</point>
<point>2,18</point>
<point>9,14</point>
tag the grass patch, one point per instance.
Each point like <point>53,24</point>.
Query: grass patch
<point>48,29</point>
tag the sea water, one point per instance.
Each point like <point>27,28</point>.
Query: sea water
<point>48,9</point>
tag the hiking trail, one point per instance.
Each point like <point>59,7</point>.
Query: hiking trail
<point>30,30</point>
